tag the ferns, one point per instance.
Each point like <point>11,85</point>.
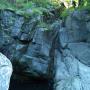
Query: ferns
<point>38,6</point>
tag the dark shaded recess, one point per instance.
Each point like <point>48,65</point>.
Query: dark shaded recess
<point>31,84</point>
<point>52,15</point>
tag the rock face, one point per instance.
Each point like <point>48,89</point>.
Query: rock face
<point>27,43</point>
<point>72,62</point>
<point>5,72</point>
<point>70,73</point>
<point>48,51</point>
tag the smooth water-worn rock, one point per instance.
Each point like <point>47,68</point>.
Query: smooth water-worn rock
<point>70,73</point>
<point>5,72</point>
<point>72,69</point>
<point>81,51</point>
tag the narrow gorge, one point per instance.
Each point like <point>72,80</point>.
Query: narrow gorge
<point>47,53</point>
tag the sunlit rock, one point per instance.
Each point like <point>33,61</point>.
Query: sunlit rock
<point>5,72</point>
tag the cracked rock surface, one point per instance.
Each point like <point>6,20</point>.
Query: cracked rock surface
<point>54,52</point>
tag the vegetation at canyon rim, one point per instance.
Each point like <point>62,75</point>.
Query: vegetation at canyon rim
<point>40,6</point>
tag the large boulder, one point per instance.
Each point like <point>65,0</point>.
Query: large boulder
<point>81,51</point>
<point>76,28</point>
<point>70,73</point>
<point>36,61</point>
<point>17,41</point>
<point>28,43</point>
<point>71,58</point>
<point>5,72</point>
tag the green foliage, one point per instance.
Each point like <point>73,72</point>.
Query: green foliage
<point>39,6</point>
<point>22,6</point>
<point>84,5</point>
<point>44,25</point>
<point>42,3</point>
<point>66,12</point>
<point>5,5</point>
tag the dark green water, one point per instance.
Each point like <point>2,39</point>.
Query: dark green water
<point>30,85</point>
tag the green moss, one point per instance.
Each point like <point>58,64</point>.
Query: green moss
<point>5,5</point>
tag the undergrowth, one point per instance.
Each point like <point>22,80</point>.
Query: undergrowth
<point>29,7</point>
